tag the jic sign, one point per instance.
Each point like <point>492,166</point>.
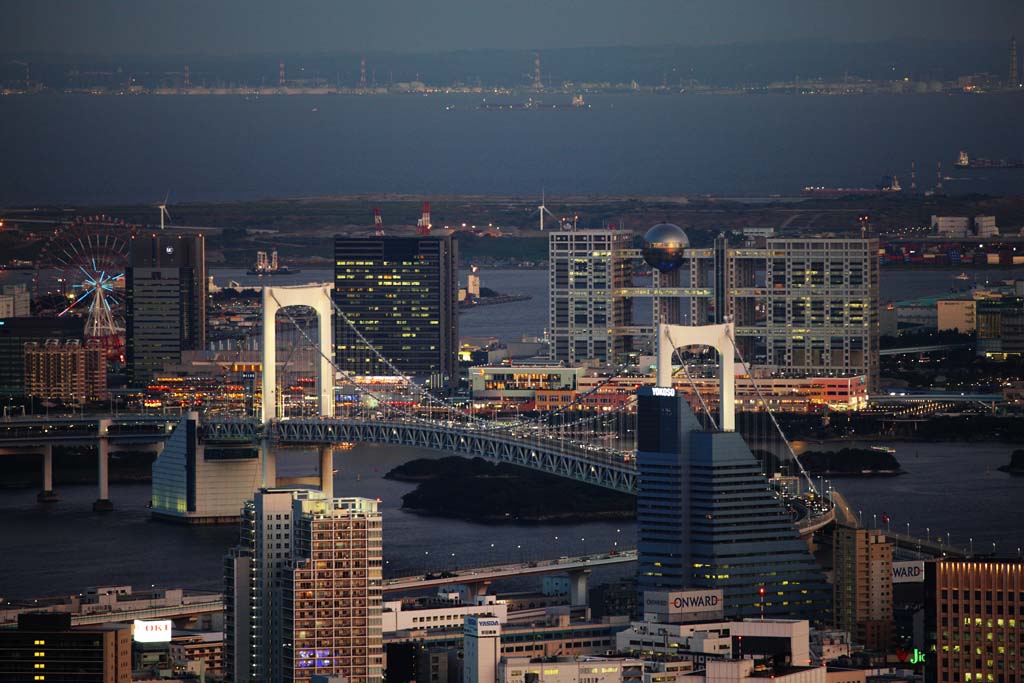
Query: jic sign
<point>152,631</point>
<point>908,572</point>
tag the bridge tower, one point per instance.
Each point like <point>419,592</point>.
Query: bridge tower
<point>718,337</point>
<point>317,297</point>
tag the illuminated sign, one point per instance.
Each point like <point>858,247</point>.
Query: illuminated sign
<point>152,631</point>
<point>908,572</point>
<point>668,605</point>
<point>663,391</point>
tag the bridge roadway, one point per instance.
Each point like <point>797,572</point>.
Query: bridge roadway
<point>524,447</point>
<point>213,604</point>
<point>478,578</point>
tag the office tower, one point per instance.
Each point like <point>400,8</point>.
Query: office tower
<point>584,269</point>
<point>15,333</point>
<point>973,619</point>
<point>863,598</point>
<point>70,372</point>
<point>804,307</point>
<point>165,288</point>
<point>481,644</point>
<point>820,308</point>
<point>303,589</point>
<point>45,647</point>
<point>1000,327</point>
<point>706,518</point>
<point>401,293</point>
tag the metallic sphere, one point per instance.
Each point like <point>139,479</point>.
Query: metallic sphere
<point>663,247</point>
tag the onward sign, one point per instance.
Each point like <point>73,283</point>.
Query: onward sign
<point>907,572</point>
<point>670,606</point>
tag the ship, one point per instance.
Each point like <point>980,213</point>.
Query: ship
<point>962,276</point>
<point>891,185</point>
<point>270,266</point>
<point>965,161</point>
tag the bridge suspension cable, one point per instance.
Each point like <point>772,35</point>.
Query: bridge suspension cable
<point>771,415</point>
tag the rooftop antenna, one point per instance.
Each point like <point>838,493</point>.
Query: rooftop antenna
<point>163,210</point>
<point>543,209</point>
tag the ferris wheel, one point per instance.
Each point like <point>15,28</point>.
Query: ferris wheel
<point>80,271</point>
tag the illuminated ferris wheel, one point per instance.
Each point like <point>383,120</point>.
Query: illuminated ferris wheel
<point>80,272</point>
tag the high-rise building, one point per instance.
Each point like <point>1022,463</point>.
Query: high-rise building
<point>303,589</point>
<point>70,372</point>
<point>802,307</point>
<point>165,290</point>
<point>15,301</point>
<point>863,593</point>
<point>45,647</point>
<point>15,333</point>
<point>401,294</point>
<point>706,518</point>
<point>820,308</point>
<point>585,267</point>
<point>973,620</point>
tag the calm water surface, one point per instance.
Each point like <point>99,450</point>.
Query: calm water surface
<point>88,149</point>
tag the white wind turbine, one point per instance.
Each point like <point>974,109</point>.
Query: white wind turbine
<point>163,210</point>
<point>543,209</point>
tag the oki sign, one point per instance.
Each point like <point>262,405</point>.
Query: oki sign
<point>907,572</point>
<point>152,631</point>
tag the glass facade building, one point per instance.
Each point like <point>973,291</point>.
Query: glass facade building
<point>706,518</point>
<point>401,293</point>
<point>165,312</point>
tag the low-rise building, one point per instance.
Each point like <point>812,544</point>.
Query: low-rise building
<point>45,647</point>
<point>399,615</point>
<point>570,670</point>
<point>957,314</point>
<point>199,653</point>
<point>785,639</point>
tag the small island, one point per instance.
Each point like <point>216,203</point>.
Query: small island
<point>480,491</point>
<point>1016,465</point>
<point>852,462</point>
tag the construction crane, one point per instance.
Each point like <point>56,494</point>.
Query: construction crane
<point>423,225</point>
<point>378,223</point>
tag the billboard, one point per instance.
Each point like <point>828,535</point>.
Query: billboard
<point>152,631</point>
<point>908,572</point>
<point>669,606</point>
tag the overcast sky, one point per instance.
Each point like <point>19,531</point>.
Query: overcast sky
<point>225,27</point>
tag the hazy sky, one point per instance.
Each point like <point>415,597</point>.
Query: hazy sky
<point>272,26</point>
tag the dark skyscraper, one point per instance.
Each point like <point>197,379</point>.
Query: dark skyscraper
<point>707,519</point>
<point>165,287</point>
<point>401,293</point>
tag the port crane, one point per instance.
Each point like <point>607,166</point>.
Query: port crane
<point>378,223</point>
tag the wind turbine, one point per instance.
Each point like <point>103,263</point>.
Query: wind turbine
<point>164,211</point>
<point>543,209</point>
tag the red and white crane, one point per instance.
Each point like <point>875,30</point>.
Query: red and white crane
<point>423,225</point>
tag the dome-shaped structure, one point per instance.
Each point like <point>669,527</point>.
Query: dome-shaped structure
<point>664,245</point>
